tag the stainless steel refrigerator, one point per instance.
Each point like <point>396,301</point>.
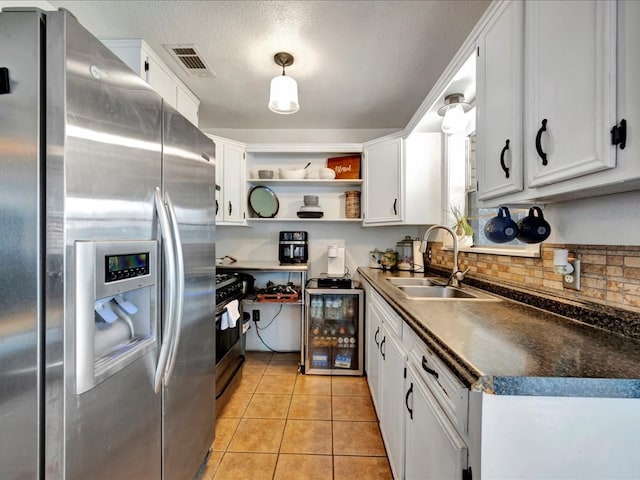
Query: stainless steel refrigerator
<point>107,276</point>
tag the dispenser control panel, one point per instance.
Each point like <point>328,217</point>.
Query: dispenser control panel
<point>119,267</point>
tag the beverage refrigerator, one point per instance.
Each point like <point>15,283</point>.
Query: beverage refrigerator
<point>334,331</point>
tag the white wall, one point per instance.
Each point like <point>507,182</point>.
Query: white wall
<point>259,242</point>
<point>349,135</point>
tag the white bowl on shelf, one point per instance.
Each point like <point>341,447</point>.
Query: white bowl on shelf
<point>327,173</point>
<point>289,174</point>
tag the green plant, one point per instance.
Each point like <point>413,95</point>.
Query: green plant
<point>461,227</point>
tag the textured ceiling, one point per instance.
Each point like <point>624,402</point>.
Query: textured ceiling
<point>358,64</point>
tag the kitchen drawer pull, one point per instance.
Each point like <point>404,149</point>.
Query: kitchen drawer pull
<point>384,339</point>
<point>542,155</point>
<point>426,368</point>
<point>375,337</point>
<point>502,164</point>
<point>406,401</point>
<point>217,207</point>
<point>395,206</point>
<point>230,208</point>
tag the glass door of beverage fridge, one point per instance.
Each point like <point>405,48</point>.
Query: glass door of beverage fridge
<point>334,331</point>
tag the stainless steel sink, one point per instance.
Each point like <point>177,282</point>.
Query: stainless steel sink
<point>440,292</point>
<point>400,281</point>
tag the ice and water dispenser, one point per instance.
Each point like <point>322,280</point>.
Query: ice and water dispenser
<point>116,307</point>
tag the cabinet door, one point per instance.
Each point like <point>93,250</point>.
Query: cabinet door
<point>434,449</point>
<point>392,373</point>
<point>161,81</point>
<point>187,104</point>
<point>499,98</point>
<point>233,193</point>
<point>372,351</point>
<point>570,71</point>
<point>383,171</point>
<point>219,180</point>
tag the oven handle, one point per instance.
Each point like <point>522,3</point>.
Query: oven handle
<point>179,292</point>
<point>167,247</point>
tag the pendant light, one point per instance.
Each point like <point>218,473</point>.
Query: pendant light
<point>283,96</point>
<point>453,111</point>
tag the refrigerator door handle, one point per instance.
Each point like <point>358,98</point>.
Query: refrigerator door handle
<point>170,263</point>
<point>179,290</point>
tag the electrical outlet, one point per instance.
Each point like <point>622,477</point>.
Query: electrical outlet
<point>256,315</point>
<point>429,253</point>
<point>572,280</point>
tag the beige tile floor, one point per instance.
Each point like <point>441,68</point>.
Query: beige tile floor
<point>281,425</point>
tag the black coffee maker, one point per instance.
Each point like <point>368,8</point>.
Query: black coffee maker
<point>293,247</point>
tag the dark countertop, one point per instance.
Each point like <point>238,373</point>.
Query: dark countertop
<point>509,348</point>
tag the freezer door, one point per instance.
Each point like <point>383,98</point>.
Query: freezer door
<point>189,392</point>
<point>20,238</point>
<point>104,128</point>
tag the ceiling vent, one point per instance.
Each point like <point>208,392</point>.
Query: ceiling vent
<point>189,58</point>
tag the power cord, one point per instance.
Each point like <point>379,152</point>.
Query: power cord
<point>267,326</point>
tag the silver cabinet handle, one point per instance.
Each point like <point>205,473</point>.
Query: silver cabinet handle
<point>179,276</point>
<point>167,247</point>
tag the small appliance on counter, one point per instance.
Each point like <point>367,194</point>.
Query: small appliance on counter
<point>375,258</point>
<point>409,255</point>
<point>293,247</point>
<point>333,282</point>
<point>405,253</point>
<point>335,261</point>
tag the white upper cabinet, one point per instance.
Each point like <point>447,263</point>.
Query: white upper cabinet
<point>383,174</point>
<point>499,90</point>
<point>402,180</point>
<point>580,75</point>
<point>570,84</point>
<point>142,60</point>
<point>230,174</point>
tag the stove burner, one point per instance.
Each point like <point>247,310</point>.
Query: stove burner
<point>224,279</point>
<point>229,286</point>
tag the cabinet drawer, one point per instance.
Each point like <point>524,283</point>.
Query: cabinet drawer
<point>451,394</point>
<point>391,319</point>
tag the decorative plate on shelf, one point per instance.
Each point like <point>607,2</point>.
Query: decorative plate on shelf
<point>263,202</point>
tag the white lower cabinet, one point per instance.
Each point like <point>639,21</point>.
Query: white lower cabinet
<point>392,371</point>
<point>385,365</point>
<point>434,448</point>
<point>372,345</point>
<point>421,406</point>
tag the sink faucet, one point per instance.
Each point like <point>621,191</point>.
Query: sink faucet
<point>456,275</point>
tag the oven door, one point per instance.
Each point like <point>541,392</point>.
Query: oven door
<point>229,358</point>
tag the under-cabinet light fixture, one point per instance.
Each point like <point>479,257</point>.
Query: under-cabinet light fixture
<point>283,96</point>
<point>453,111</point>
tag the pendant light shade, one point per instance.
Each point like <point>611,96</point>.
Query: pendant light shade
<point>453,111</point>
<point>283,97</point>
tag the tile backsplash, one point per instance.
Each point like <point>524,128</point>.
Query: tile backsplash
<point>610,274</point>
